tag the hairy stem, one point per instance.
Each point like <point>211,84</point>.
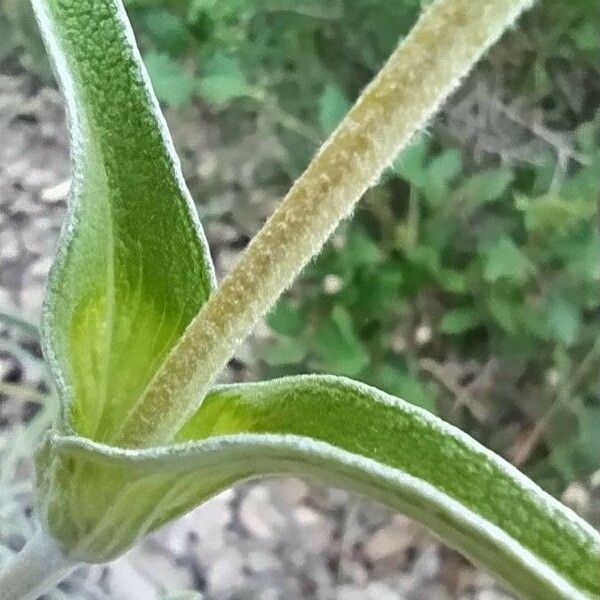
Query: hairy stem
<point>444,44</point>
<point>38,568</point>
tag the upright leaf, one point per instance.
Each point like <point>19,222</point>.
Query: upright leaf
<point>133,266</point>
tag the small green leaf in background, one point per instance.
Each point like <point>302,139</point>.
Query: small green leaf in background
<point>589,424</point>
<point>577,457</point>
<point>167,30</point>
<point>404,385</point>
<point>504,259</point>
<point>563,319</point>
<point>459,320</point>
<point>555,214</point>
<point>285,351</point>
<point>410,163</point>
<point>503,311</point>
<point>360,251</point>
<point>486,186</point>
<point>446,166</point>
<point>223,80</point>
<point>172,83</point>
<point>337,345</point>
<point>586,36</point>
<point>452,280</point>
<point>333,9</point>
<point>7,44</point>
<point>583,257</point>
<point>441,171</point>
<point>333,106</point>
<point>286,318</point>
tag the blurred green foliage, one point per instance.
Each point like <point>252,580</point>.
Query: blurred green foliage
<point>471,259</point>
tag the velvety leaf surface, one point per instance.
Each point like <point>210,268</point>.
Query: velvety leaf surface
<point>346,434</point>
<point>133,267</point>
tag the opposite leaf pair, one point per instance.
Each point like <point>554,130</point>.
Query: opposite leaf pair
<point>133,272</point>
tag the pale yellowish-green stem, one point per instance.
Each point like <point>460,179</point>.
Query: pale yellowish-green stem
<point>40,566</point>
<point>444,44</point>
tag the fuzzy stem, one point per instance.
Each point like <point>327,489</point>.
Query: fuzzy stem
<point>444,44</point>
<point>38,568</point>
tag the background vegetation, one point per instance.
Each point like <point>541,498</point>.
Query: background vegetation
<point>469,280</point>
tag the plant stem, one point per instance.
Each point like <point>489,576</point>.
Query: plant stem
<point>444,44</point>
<point>38,568</point>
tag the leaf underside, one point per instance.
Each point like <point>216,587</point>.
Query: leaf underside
<point>346,434</point>
<point>133,266</point>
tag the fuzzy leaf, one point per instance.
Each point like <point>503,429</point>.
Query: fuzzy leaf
<point>133,267</point>
<point>99,499</point>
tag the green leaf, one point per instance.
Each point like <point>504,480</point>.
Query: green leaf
<point>334,9</point>
<point>579,456</point>
<point>286,318</point>
<point>504,313</point>
<point>563,320</point>
<point>410,163</point>
<point>583,257</point>
<point>487,186</point>
<point>333,106</point>
<point>285,351</point>
<point>406,386</point>
<point>223,80</point>
<point>504,259</point>
<point>172,83</point>
<point>589,424</point>
<point>440,172</point>
<point>586,36</point>
<point>168,31</point>
<point>337,345</point>
<point>360,251</point>
<point>133,267</point>
<point>452,280</point>
<point>346,434</point>
<point>459,320</point>
<point>446,166</point>
<point>554,214</point>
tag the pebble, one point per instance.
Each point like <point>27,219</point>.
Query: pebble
<point>258,515</point>
<point>126,582</point>
<point>226,571</point>
<point>577,497</point>
<point>56,193</point>
<point>9,247</point>
<point>393,539</point>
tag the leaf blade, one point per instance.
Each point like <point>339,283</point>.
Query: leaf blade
<point>352,435</point>
<point>133,266</point>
